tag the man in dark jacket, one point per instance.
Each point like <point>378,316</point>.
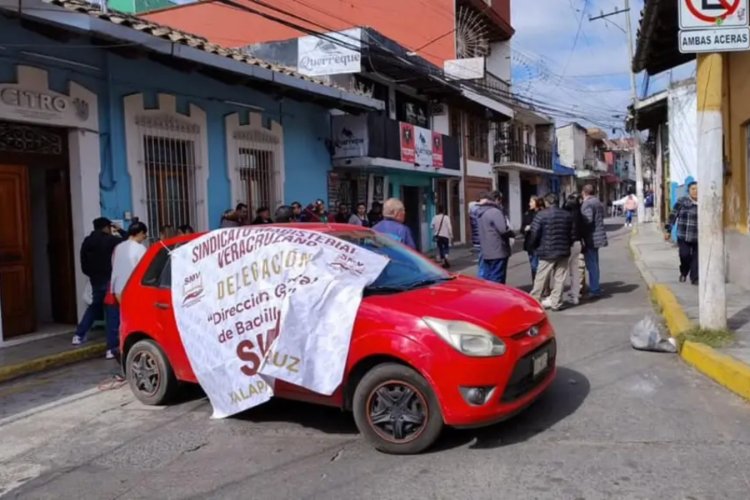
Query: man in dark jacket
<point>551,236</point>
<point>594,236</point>
<point>494,238</point>
<point>96,263</point>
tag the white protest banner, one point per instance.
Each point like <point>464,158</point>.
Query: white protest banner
<point>257,303</point>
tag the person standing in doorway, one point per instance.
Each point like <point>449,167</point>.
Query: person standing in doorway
<point>443,231</point>
<point>393,225</point>
<point>125,258</point>
<point>552,234</point>
<point>535,205</point>
<point>360,218</point>
<point>685,216</point>
<point>96,263</point>
<point>594,237</point>
<point>494,238</point>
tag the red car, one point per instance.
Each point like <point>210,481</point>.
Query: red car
<point>429,349</point>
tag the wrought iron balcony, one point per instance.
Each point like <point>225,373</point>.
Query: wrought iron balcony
<point>524,154</point>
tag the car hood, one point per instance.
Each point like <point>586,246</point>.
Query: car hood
<point>502,310</point>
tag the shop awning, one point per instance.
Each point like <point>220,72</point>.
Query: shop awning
<point>562,170</point>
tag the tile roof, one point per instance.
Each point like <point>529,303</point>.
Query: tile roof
<point>181,37</point>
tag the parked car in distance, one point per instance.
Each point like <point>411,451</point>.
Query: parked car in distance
<point>429,349</point>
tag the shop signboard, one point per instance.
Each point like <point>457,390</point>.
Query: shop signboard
<point>350,136</point>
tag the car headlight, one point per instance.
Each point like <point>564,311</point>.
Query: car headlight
<point>467,338</point>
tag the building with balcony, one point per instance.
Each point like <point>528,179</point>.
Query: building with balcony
<point>473,34</point>
<point>524,159</point>
<point>413,149</point>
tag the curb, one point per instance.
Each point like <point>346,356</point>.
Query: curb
<point>722,369</point>
<point>93,350</point>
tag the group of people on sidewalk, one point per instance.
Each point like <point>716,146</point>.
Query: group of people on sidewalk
<point>554,237</point>
<point>108,257</point>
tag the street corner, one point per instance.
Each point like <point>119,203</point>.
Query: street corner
<point>33,365</point>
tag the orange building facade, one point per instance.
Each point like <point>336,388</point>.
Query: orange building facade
<point>425,26</point>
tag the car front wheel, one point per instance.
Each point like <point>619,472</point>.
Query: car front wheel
<point>396,410</point>
<point>149,373</point>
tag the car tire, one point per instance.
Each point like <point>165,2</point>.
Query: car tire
<point>386,411</point>
<point>149,374</point>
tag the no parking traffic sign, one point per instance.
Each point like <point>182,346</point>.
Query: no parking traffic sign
<point>713,26</point>
<point>695,14</point>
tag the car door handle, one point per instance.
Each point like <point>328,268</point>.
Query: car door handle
<point>161,305</point>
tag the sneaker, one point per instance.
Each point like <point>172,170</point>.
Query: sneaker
<point>110,354</point>
<point>575,301</point>
<point>683,278</point>
<point>546,304</point>
<point>77,340</point>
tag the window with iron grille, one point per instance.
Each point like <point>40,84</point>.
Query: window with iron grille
<point>170,181</point>
<point>257,177</point>
<point>477,138</point>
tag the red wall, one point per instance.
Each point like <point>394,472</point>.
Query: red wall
<point>412,23</point>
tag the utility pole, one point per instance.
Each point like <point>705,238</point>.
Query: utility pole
<point>633,87</point>
<point>712,271</point>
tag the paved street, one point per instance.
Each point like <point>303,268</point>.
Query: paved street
<point>616,424</point>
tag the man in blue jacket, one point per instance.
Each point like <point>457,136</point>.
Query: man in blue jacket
<point>393,225</point>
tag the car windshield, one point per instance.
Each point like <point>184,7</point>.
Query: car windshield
<point>405,270</point>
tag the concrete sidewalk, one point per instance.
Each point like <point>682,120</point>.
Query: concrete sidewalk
<point>51,351</point>
<point>658,262</point>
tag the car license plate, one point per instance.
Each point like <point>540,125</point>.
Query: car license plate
<point>540,362</point>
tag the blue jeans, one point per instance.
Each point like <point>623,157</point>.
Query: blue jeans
<point>113,327</point>
<point>629,216</point>
<point>534,263</point>
<point>480,268</point>
<point>495,270</point>
<point>591,256</point>
<point>94,312</point>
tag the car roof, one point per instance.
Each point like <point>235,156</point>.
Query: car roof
<point>310,226</point>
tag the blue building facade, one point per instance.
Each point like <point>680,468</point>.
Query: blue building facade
<point>89,129</point>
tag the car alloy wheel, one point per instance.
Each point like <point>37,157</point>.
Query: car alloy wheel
<point>397,411</point>
<point>149,373</point>
<point>146,373</point>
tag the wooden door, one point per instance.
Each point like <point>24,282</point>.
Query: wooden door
<point>16,280</point>
<point>62,285</point>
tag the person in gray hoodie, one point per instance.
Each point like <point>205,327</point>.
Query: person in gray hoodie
<point>594,237</point>
<point>494,238</point>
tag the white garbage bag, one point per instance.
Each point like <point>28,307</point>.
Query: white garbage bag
<point>647,336</point>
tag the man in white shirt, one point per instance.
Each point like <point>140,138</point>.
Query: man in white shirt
<point>126,256</point>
